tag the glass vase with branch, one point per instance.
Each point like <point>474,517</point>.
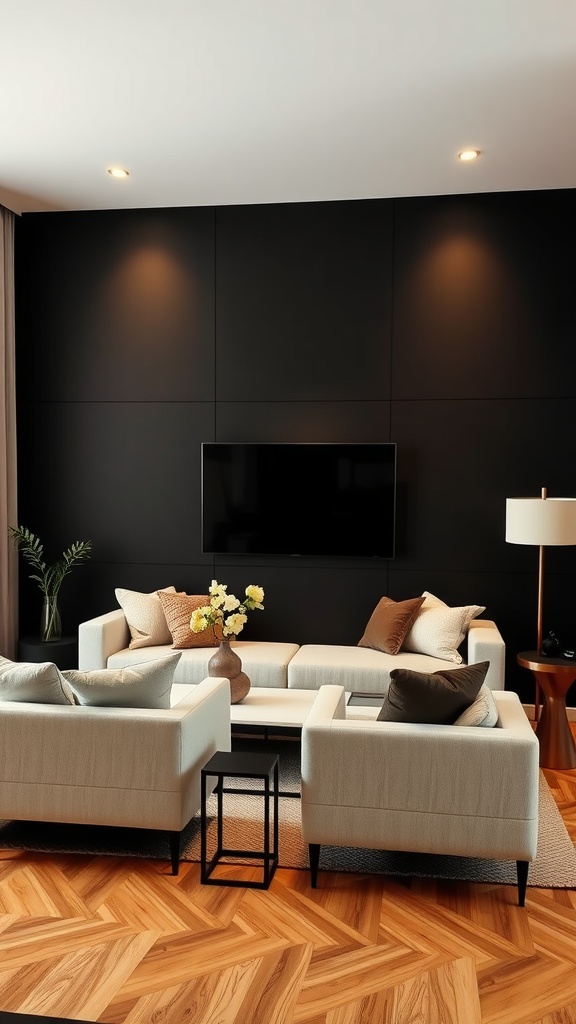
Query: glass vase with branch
<point>49,577</point>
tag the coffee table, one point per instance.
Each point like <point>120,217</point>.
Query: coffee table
<point>273,707</point>
<point>277,707</point>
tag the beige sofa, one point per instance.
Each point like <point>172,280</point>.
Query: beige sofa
<point>103,643</point>
<point>444,789</point>
<point>112,766</point>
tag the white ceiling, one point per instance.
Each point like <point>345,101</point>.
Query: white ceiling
<point>210,102</point>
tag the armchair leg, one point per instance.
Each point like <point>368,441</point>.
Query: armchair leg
<point>522,875</point>
<point>174,840</point>
<point>314,852</point>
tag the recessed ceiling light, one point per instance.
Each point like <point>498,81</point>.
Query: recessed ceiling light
<point>469,154</point>
<point>118,172</point>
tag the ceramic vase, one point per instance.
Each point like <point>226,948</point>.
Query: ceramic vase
<point>226,663</point>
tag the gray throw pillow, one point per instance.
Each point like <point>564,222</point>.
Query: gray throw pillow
<point>146,685</point>
<point>436,698</point>
<point>33,683</point>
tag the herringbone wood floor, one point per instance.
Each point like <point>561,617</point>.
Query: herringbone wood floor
<point>118,940</point>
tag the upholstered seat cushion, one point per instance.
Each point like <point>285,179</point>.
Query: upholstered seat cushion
<point>357,669</point>
<point>265,664</point>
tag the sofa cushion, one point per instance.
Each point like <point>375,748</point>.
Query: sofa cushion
<point>389,623</point>
<point>33,683</point>
<point>482,712</point>
<point>178,610</point>
<point>438,630</point>
<point>436,698</point>
<point>145,617</point>
<point>147,685</point>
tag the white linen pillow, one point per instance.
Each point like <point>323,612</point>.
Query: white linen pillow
<point>438,629</point>
<point>482,712</point>
<point>147,685</point>
<point>145,617</point>
<point>33,683</point>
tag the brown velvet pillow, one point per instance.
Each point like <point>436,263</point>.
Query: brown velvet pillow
<point>178,610</point>
<point>436,698</point>
<point>389,624</point>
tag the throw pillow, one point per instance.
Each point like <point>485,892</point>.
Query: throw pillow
<point>483,711</point>
<point>145,617</point>
<point>436,698</point>
<point>146,685</point>
<point>438,630</point>
<point>33,683</point>
<point>178,610</point>
<point>389,623</point>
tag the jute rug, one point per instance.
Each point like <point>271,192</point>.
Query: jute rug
<point>554,867</point>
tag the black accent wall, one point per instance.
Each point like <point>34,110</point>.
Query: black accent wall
<point>444,324</point>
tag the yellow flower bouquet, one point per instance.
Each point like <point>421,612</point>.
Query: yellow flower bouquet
<point>225,613</point>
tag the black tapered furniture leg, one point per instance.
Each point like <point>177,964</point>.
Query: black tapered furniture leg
<point>314,853</point>
<point>522,873</point>
<point>174,838</point>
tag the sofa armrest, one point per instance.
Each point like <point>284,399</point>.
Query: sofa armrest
<point>485,643</point>
<point>100,637</point>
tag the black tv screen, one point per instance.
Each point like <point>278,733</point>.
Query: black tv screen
<point>299,499</point>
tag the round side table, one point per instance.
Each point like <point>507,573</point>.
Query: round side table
<point>554,676</point>
<point>63,652</point>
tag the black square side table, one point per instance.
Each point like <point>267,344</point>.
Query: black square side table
<point>247,765</point>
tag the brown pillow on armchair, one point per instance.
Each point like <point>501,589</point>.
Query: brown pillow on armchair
<point>434,698</point>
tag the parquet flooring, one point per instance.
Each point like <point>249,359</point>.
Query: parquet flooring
<point>123,942</point>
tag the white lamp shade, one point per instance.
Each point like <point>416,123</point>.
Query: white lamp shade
<point>541,521</point>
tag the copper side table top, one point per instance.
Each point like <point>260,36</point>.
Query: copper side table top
<point>554,676</point>
<point>540,663</point>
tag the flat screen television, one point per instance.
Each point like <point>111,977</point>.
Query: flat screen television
<point>299,499</point>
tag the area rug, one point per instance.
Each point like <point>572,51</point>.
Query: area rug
<point>554,867</point>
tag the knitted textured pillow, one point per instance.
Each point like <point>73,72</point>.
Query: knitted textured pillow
<point>178,610</point>
<point>145,617</point>
<point>482,712</point>
<point>438,630</point>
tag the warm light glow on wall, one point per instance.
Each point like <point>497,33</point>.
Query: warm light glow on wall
<point>118,172</point>
<point>469,154</point>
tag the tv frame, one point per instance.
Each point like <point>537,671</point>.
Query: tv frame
<point>212,549</point>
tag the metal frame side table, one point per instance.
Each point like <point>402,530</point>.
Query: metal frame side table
<point>554,676</point>
<point>237,765</point>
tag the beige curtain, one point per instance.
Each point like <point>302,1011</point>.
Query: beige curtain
<point>8,490</point>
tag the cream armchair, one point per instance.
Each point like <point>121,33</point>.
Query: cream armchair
<point>133,767</point>
<point>445,789</point>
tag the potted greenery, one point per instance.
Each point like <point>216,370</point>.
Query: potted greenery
<point>49,577</point>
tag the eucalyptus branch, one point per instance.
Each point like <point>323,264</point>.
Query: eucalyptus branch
<point>48,577</point>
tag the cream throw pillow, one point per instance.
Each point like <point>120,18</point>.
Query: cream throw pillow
<point>147,685</point>
<point>33,683</point>
<point>483,712</point>
<point>145,617</point>
<point>438,630</point>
